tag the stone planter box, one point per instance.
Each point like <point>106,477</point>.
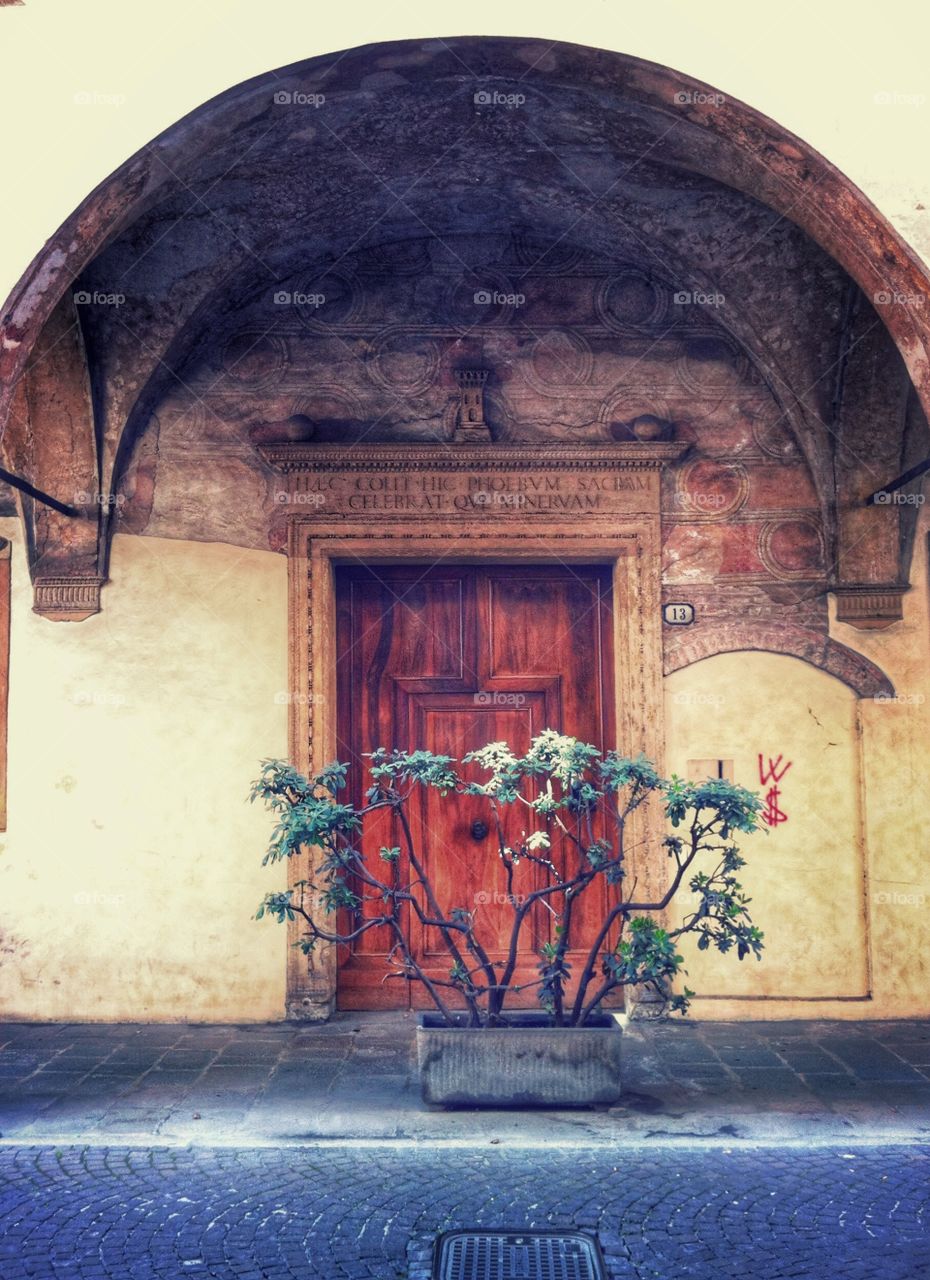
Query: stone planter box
<point>527,1064</point>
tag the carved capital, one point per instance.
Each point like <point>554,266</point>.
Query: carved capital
<point>67,599</point>
<point>869,606</point>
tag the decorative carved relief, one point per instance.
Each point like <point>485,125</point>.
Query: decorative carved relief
<point>254,359</point>
<point>792,549</point>
<point>585,350</point>
<point>403,363</point>
<point>631,300</point>
<point>470,426</point>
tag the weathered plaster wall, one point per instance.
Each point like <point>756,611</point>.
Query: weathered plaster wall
<point>131,863</point>
<point>804,874</point>
<point>896,783</point>
<point>842,887</point>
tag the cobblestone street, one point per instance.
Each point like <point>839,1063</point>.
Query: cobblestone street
<point>764,1151</point>
<point>329,1214</point>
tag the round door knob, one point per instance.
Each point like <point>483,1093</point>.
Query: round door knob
<point>479,829</point>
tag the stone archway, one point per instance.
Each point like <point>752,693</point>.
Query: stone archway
<point>386,252</point>
<point>862,676</point>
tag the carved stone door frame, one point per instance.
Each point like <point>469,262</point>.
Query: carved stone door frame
<point>623,531</point>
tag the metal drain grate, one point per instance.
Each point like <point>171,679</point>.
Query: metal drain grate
<point>513,1255</point>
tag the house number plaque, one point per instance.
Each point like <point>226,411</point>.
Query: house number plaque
<point>678,615</point>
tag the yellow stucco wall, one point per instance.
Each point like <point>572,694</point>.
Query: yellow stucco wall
<point>896,785</point>
<point>805,874</point>
<point>131,863</point>
<point>841,889</point>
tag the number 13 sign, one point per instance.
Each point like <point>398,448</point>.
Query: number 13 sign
<point>678,615</point>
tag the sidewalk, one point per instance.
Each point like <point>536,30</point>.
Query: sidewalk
<point>354,1078</point>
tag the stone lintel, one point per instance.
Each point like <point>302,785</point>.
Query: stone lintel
<point>446,484</point>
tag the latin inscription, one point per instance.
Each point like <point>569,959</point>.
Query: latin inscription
<point>567,492</point>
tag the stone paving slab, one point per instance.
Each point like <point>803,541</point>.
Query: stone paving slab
<point>339,1213</point>
<point>355,1078</point>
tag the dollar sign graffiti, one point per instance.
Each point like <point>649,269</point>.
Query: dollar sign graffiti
<point>773,814</point>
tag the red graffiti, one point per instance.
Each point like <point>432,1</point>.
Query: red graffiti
<point>773,814</point>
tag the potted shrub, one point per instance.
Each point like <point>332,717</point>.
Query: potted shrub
<point>571,804</point>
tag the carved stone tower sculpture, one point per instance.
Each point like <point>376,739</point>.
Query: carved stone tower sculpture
<point>470,426</point>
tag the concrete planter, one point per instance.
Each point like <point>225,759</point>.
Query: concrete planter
<point>527,1064</point>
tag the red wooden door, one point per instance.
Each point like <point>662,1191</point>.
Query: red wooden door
<point>449,658</point>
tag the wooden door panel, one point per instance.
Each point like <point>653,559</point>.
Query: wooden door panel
<point>415,625</point>
<point>569,607</point>
<point>450,658</point>
<point>465,867</point>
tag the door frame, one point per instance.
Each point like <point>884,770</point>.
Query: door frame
<point>631,547</point>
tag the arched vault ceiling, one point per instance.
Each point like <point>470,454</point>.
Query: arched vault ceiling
<point>577,155</point>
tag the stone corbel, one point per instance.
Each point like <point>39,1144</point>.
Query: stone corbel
<point>869,606</point>
<point>870,410</point>
<point>67,599</point>
<point>50,442</point>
